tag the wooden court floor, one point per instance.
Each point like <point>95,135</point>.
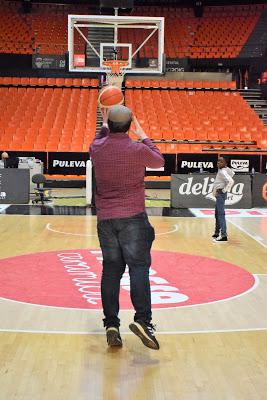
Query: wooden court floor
<point>209,351</point>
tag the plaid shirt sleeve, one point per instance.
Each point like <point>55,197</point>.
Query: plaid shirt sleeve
<point>151,155</point>
<point>103,133</point>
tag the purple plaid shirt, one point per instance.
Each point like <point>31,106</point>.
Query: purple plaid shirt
<point>120,169</point>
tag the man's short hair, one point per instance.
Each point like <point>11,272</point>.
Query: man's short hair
<point>225,159</point>
<point>118,126</point>
<point>119,119</point>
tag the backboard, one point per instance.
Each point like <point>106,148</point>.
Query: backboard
<point>93,39</point>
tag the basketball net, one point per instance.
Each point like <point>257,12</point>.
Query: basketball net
<point>115,71</point>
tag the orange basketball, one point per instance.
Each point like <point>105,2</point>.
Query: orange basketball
<point>110,96</point>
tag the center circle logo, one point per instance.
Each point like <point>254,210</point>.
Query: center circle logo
<point>72,279</point>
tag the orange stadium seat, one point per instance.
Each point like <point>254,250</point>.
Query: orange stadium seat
<point>180,84</point>
<point>196,115</point>
<point>221,32</point>
<point>47,119</point>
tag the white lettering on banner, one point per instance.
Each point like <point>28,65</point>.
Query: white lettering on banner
<point>89,285</point>
<point>161,291</point>
<point>197,164</point>
<point>205,188</point>
<point>197,188</point>
<point>238,188</point>
<point>155,169</point>
<point>187,188</point>
<point>167,297</point>
<point>240,165</point>
<point>177,69</point>
<point>69,164</point>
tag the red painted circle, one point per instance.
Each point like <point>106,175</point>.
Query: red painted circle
<point>71,278</point>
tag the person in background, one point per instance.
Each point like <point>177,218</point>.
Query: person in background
<point>124,231</point>
<point>9,160</point>
<point>4,157</point>
<point>222,184</point>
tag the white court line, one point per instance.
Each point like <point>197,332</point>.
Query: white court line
<point>176,228</point>
<point>3,207</point>
<point>102,333</point>
<point>49,228</point>
<point>256,238</point>
<point>127,332</point>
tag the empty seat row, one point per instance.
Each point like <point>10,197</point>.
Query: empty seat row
<point>64,119</point>
<point>34,81</point>
<point>180,84</point>
<point>193,115</point>
<point>47,119</point>
<point>44,31</point>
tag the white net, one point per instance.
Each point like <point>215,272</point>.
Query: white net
<point>115,71</point>
<point>115,79</point>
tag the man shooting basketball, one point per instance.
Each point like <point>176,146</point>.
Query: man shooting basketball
<point>124,231</point>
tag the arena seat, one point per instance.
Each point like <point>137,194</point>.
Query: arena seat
<point>180,84</point>
<point>47,118</point>
<point>196,115</point>
<point>49,82</point>
<point>221,32</point>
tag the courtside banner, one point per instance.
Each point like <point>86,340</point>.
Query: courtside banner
<point>14,186</point>
<point>259,190</point>
<point>48,61</point>
<point>67,163</point>
<point>177,65</point>
<point>196,163</point>
<point>264,164</point>
<point>39,155</point>
<point>243,162</point>
<point>168,168</point>
<point>195,191</point>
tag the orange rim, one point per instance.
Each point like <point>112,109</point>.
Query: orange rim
<point>115,65</point>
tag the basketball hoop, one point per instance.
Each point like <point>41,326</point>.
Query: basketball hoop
<point>115,70</point>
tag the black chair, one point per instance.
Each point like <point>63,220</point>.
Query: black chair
<point>41,194</point>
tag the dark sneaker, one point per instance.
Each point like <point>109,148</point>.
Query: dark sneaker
<point>221,239</point>
<point>113,336</point>
<point>215,235</point>
<point>146,333</point>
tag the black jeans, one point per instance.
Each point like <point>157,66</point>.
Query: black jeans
<point>126,241</point>
<point>220,224</point>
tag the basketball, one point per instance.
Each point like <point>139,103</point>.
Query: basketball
<point>110,96</point>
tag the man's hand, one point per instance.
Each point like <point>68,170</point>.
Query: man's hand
<point>104,112</point>
<point>215,192</point>
<point>137,129</point>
